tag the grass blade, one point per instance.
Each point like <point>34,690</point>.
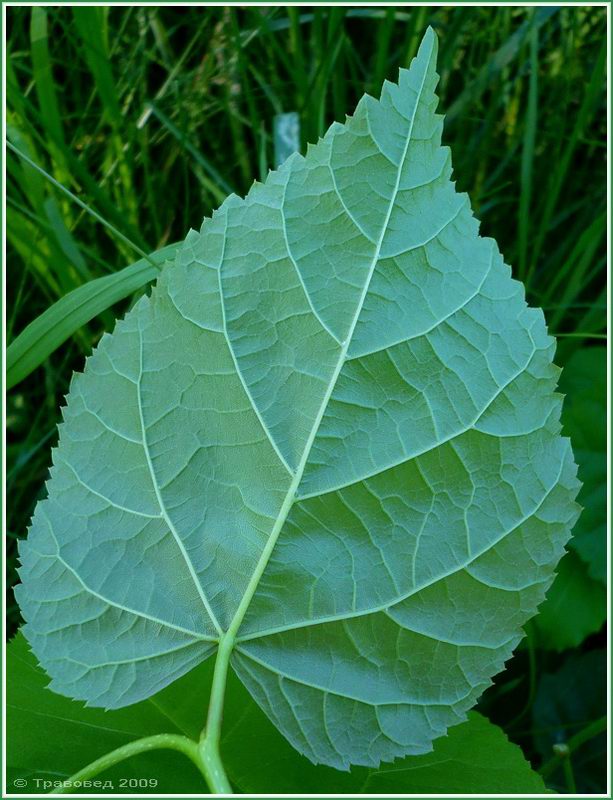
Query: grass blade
<point>79,202</point>
<point>496,64</point>
<point>43,76</point>
<point>218,186</point>
<point>527,157</point>
<point>59,322</point>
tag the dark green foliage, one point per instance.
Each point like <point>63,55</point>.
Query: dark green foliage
<point>568,701</point>
<point>476,757</point>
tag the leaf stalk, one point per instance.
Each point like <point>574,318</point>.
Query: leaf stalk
<point>162,741</point>
<point>212,765</point>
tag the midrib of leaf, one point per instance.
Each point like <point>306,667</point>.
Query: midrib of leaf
<point>228,639</point>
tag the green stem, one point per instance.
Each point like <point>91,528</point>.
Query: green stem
<point>161,741</point>
<point>209,743</point>
<point>569,775</point>
<point>591,730</point>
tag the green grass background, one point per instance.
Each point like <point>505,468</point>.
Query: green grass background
<point>150,116</point>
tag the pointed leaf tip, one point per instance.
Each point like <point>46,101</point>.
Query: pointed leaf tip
<point>428,47</point>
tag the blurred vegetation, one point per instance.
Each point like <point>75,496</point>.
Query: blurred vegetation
<point>150,116</point>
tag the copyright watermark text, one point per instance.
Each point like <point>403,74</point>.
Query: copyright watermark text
<point>46,784</point>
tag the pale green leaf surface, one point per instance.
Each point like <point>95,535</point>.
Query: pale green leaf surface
<point>475,757</point>
<point>332,427</point>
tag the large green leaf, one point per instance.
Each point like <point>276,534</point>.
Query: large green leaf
<point>329,441</point>
<point>584,381</point>
<point>476,757</point>
<point>51,737</point>
<point>576,606</point>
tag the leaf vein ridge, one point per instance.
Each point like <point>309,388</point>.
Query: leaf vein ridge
<point>463,205</point>
<point>415,590</point>
<point>160,499</point>
<point>342,202</point>
<point>121,661</point>
<point>113,603</point>
<point>451,437</point>
<point>325,690</point>
<point>446,640</point>
<point>290,254</point>
<point>436,324</point>
<point>237,368</point>
<point>292,491</point>
<point>108,500</point>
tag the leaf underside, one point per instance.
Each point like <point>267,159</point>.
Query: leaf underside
<point>475,758</point>
<point>338,385</point>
